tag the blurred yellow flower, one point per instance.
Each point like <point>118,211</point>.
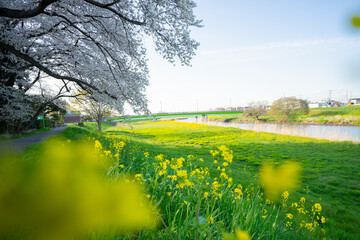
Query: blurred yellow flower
<point>276,180</point>
<point>239,235</point>
<point>64,193</point>
<point>214,152</point>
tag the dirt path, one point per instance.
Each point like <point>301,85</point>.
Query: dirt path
<point>20,144</point>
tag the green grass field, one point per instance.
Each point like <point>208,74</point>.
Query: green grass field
<point>331,172</point>
<point>202,191</point>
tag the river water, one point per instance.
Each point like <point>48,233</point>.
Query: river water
<point>334,133</point>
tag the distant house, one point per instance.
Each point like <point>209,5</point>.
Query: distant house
<point>230,109</point>
<point>354,102</point>
<point>314,105</point>
<point>220,109</point>
<point>239,109</point>
<point>72,119</point>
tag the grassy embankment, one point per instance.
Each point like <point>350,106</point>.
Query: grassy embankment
<point>174,115</point>
<point>336,115</point>
<point>331,172</point>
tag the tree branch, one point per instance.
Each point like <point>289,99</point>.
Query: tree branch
<point>11,13</point>
<point>48,71</point>
<point>107,6</point>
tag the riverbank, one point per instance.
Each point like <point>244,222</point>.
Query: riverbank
<point>339,116</point>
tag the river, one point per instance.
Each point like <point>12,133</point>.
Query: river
<point>334,133</point>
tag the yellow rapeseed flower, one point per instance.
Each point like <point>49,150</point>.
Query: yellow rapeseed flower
<point>285,195</point>
<point>224,175</point>
<point>98,146</point>
<point>316,208</point>
<point>181,173</point>
<point>215,185</point>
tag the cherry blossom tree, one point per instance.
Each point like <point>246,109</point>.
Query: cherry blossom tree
<point>289,106</point>
<point>94,45</point>
<point>256,109</point>
<point>88,106</point>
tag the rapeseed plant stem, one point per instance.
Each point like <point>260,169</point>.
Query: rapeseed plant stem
<point>167,229</point>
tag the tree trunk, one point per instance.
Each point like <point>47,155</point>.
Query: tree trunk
<point>33,118</point>
<point>99,124</point>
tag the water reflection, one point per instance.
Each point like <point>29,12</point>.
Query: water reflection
<point>335,133</point>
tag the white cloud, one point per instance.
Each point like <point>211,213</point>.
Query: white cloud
<point>324,43</point>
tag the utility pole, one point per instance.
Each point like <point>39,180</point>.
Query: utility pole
<point>329,96</point>
<point>160,106</point>
<point>197,104</point>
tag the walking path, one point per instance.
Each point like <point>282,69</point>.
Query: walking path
<point>20,144</point>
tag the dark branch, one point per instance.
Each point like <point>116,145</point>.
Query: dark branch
<point>107,6</point>
<point>49,72</point>
<point>11,13</point>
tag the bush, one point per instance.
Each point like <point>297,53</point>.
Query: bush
<point>80,124</point>
<point>44,123</point>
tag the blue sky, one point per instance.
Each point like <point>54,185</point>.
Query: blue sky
<point>262,50</point>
